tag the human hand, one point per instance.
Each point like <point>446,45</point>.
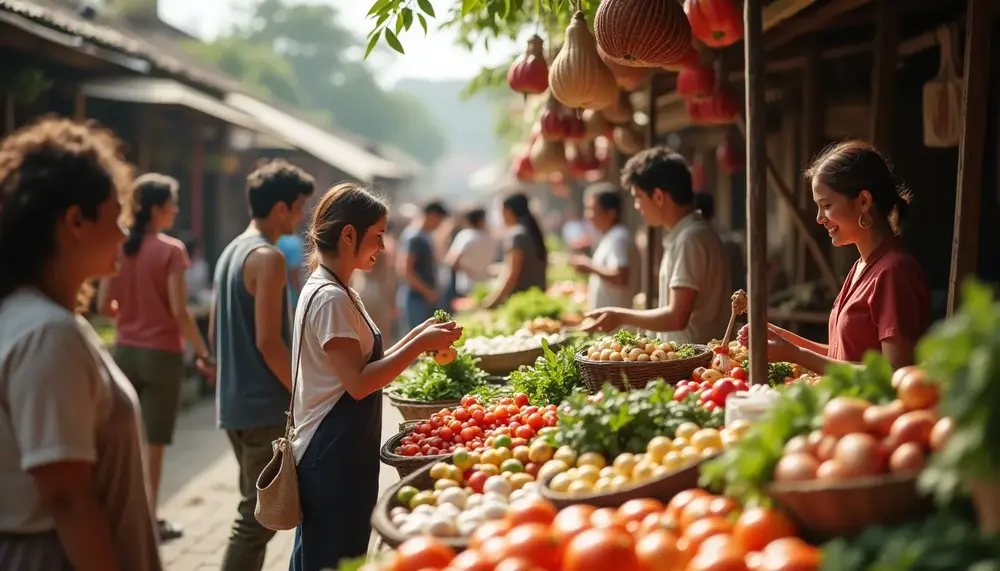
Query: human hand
<point>779,348</point>
<point>604,319</point>
<point>743,336</point>
<point>206,367</point>
<point>438,336</point>
<point>581,263</point>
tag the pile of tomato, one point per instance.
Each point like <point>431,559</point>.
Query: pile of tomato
<point>472,426</point>
<point>695,531</point>
<point>712,391</point>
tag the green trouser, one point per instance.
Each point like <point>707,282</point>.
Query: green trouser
<point>248,539</point>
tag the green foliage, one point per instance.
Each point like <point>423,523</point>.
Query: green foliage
<point>963,353</point>
<point>743,471</point>
<point>530,304</point>
<point>625,421</point>
<point>429,381</point>
<point>551,380</point>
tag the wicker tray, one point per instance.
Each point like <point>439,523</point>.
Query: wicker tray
<point>824,510</point>
<point>405,465</point>
<point>420,410</point>
<point>502,364</point>
<point>421,480</point>
<point>638,373</point>
<point>662,489</point>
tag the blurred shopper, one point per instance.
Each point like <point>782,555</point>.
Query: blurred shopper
<point>252,337</point>
<point>471,253</point>
<point>153,320</point>
<point>416,266</point>
<point>291,246</point>
<point>378,287</point>
<point>611,272</point>
<point>198,276</point>
<point>74,492</point>
<point>525,257</point>
<point>704,202</point>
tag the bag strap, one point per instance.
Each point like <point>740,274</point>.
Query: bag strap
<point>289,422</point>
<point>354,302</point>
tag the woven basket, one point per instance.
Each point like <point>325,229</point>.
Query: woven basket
<point>420,410</point>
<point>596,373</point>
<point>405,465</point>
<point>502,364</point>
<point>824,510</point>
<point>662,489</point>
<point>382,523</point>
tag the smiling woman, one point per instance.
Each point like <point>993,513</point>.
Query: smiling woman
<point>884,304</point>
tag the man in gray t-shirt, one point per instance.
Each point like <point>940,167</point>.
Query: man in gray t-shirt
<point>418,294</point>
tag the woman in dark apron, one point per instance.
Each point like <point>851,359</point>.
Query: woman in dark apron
<point>338,470</point>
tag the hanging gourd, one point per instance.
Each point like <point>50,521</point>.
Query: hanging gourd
<point>642,33</point>
<point>523,169</point>
<point>696,82</point>
<point>595,125</point>
<point>691,58</point>
<point>628,139</point>
<point>550,122</point>
<point>578,77</point>
<point>729,155</point>
<point>721,107</point>
<point>717,23</point>
<point>548,157</point>
<point>582,159</point>
<point>628,78</point>
<point>620,111</point>
<point>697,110</point>
<point>529,74</point>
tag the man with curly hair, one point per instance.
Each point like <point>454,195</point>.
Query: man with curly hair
<point>694,279</point>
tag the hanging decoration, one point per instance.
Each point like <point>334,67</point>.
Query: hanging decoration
<point>628,78</point>
<point>582,160</point>
<point>548,157</point>
<point>620,111</point>
<point>719,108</point>
<point>596,125</point>
<point>627,139</point>
<point>529,73</point>
<point>558,123</point>
<point>523,170</point>
<point>578,77</point>
<point>643,33</point>
<point>696,82</point>
<point>717,23</point>
<point>942,96</point>
<point>691,58</point>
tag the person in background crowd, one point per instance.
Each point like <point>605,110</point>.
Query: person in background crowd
<point>291,247</point>
<point>250,325</point>
<point>198,277</point>
<point>71,469</point>
<point>610,271</point>
<point>342,368</point>
<point>378,287</point>
<point>694,283</point>
<point>704,203</point>
<point>418,295</point>
<point>148,299</point>
<point>525,258</point>
<point>884,304</point>
<point>471,253</point>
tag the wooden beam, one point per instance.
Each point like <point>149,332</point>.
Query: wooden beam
<point>971,148</point>
<point>756,153</point>
<point>649,265</point>
<point>780,10</point>
<point>823,15</point>
<point>883,103</point>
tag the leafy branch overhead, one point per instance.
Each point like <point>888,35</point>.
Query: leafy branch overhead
<point>475,20</point>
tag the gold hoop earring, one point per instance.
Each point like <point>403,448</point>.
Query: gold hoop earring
<point>865,220</point>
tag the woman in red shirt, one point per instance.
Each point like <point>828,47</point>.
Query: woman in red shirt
<point>884,304</point>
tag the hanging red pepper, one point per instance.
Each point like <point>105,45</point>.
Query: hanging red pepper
<point>717,23</point>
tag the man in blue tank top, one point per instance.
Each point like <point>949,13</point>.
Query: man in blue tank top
<point>252,337</point>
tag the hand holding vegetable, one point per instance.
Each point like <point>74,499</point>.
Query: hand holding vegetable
<point>443,321</point>
<point>605,319</point>
<point>438,338</point>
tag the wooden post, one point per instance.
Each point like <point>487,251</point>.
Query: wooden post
<point>649,265</point>
<point>79,104</point>
<point>756,152</point>
<point>883,102</point>
<point>971,147</point>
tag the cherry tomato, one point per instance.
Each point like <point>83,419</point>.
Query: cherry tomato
<point>425,428</point>
<point>461,414</point>
<point>478,415</point>
<point>521,399</point>
<point>445,433</point>
<point>513,409</point>
<point>489,419</point>
<point>436,421</point>
<point>535,421</point>
<point>468,400</point>
<point>681,393</point>
<point>455,426</point>
<point>411,450</point>
<point>738,373</point>
<point>741,385</point>
<point>500,412</point>
<point>525,432</point>
<point>468,434</point>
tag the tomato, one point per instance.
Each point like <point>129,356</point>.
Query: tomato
<point>422,553</point>
<point>525,432</point>
<point>425,449</point>
<point>790,554</point>
<point>531,511</point>
<point>536,543</point>
<point>572,520</point>
<point>500,412</point>
<point>455,426</point>
<point>681,393</point>
<point>722,389</point>
<point>705,396</point>
<point>477,480</point>
<point>515,564</point>
<point>445,412</point>
<point>471,560</point>
<point>521,399</point>
<point>741,386</point>
<point>710,406</point>
<point>445,433</point>
<point>410,450</point>
<point>468,400</point>
<point>461,414</point>
<point>535,421</point>
<point>436,421</point>
<point>604,518</point>
<point>489,419</point>
<point>705,385</point>
<point>738,373</point>
<point>468,434</point>
<point>513,409</point>
<point>637,509</point>
<point>432,451</point>
<point>601,549</point>
<point>513,426</point>
<point>478,415</point>
<point>518,441</point>
<point>680,501</point>
<point>530,409</point>
<point>425,428</point>
<point>657,551</point>
<point>551,408</point>
<point>757,527</point>
<point>488,530</point>
<point>702,529</point>
<point>551,419</point>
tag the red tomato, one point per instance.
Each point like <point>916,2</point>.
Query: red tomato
<point>515,442</point>
<point>455,426</point>
<point>477,480</point>
<point>705,396</point>
<point>521,399</point>
<point>468,400</point>
<point>468,434</point>
<point>461,414</point>
<point>500,412</point>
<point>681,393</point>
<point>551,420</point>
<point>710,405</point>
<point>445,433</point>
<point>445,412</point>
<point>738,373</point>
<point>741,385</point>
<point>502,430</point>
<point>535,421</point>
<point>410,450</point>
<point>513,426</point>
<point>505,401</point>
<point>696,374</point>
<point>432,451</point>
<point>513,409</point>
<point>489,419</point>
<point>531,409</point>
<point>722,389</point>
<point>478,415</point>
<point>436,421</point>
<point>525,432</point>
<point>704,385</point>
<point>436,442</point>
<point>425,428</point>
<point>552,408</point>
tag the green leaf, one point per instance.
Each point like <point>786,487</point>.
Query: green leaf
<point>378,6</point>
<point>468,6</point>
<point>407,18</point>
<point>427,8</point>
<point>393,41</point>
<point>423,22</point>
<point>372,41</point>
<point>506,9</point>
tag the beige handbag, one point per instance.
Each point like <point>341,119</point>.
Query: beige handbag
<point>278,506</point>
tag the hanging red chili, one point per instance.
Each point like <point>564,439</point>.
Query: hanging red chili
<point>717,23</point>
<point>696,82</point>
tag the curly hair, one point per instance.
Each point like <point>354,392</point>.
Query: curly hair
<point>660,168</point>
<point>273,182</point>
<point>45,169</point>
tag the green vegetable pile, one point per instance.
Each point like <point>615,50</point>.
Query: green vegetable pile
<point>625,421</point>
<point>429,381</point>
<point>551,380</point>
<point>942,542</point>
<point>777,372</point>
<point>527,305</point>
<point>743,471</point>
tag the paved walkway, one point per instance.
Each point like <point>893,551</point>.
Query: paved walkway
<point>199,492</point>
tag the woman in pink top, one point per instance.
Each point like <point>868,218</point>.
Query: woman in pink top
<point>153,319</point>
<point>884,304</point>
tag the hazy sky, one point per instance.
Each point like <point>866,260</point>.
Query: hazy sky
<point>432,57</point>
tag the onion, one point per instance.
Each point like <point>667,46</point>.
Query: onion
<point>844,415</point>
<point>796,468</point>
<point>832,470</point>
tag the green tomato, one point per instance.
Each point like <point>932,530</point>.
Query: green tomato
<point>405,494</point>
<point>503,441</point>
<point>512,465</point>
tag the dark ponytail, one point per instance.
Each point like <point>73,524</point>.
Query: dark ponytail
<point>45,169</point>
<point>517,203</point>
<point>149,191</point>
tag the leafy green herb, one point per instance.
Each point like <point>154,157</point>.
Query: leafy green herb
<point>777,372</point>
<point>533,303</point>
<point>442,316</point>
<point>744,470</point>
<point>489,394</point>
<point>625,337</point>
<point>687,351</point>
<point>963,353</point>
<point>429,381</point>
<point>552,378</point>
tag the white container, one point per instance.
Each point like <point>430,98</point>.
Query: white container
<point>748,406</point>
